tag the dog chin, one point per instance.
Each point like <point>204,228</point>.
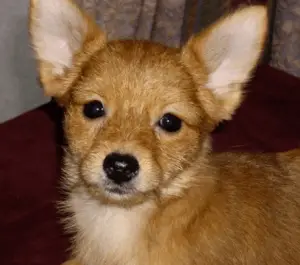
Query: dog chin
<point>119,194</point>
<point>123,196</point>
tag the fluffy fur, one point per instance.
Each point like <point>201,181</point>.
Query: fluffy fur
<point>188,205</point>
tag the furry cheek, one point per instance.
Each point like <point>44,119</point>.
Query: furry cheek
<point>177,151</point>
<point>80,132</point>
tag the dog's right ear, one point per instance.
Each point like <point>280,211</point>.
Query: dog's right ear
<point>63,37</point>
<point>225,54</point>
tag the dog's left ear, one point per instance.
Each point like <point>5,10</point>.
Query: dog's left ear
<point>222,57</point>
<point>63,36</point>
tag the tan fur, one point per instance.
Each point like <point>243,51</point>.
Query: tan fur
<point>189,205</point>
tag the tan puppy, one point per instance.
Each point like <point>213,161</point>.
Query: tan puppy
<point>143,186</point>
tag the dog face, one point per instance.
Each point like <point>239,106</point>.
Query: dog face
<point>132,121</point>
<point>138,114</point>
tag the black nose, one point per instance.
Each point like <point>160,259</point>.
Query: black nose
<point>120,167</point>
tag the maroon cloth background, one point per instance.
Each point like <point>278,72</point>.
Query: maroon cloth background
<point>236,3</point>
<point>30,233</point>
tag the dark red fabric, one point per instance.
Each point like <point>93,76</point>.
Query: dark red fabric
<point>268,119</point>
<point>30,233</point>
<point>237,3</point>
<point>29,172</point>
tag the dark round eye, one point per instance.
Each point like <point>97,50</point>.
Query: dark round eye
<point>170,123</point>
<point>93,109</point>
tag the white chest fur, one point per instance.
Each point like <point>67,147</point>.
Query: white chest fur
<point>107,234</point>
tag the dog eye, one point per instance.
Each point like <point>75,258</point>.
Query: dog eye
<point>170,123</point>
<point>93,109</point>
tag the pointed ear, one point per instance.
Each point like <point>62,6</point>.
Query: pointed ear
<point>63,37</point>
<point>222,57</point>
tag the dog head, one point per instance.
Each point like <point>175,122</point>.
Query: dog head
<point>139,114</point>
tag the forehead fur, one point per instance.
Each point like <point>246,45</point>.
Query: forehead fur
<point>137,70</point>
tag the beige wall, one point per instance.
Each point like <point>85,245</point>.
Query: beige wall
<point>286,37</point>
<point>19,91</point>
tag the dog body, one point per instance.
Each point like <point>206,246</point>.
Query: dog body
<point>226,216</point>
<point>143,186</point>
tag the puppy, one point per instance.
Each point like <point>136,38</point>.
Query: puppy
<point>143,186</point>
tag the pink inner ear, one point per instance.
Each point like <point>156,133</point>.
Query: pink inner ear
<point>57,29</point>
<point>228,63</point>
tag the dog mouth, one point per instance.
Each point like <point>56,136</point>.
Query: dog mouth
<point>119,190</point>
